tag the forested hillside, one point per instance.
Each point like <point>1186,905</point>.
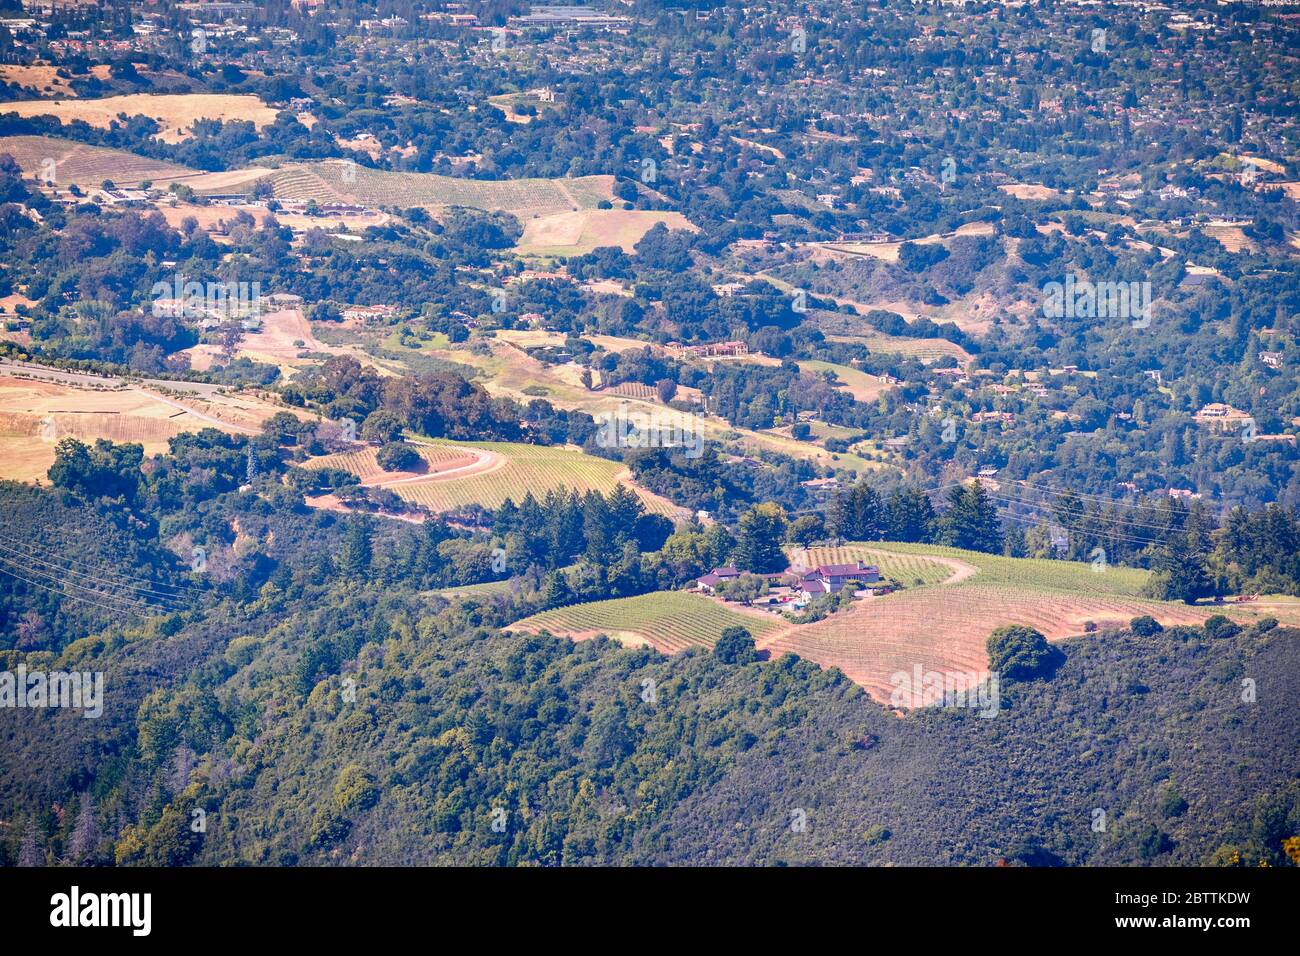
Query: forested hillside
<point>319,720</point>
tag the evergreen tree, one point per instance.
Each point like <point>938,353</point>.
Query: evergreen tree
<point>759,537</point>
<point>910,516</point>
<point>971,520</point>
<point>357,555</point>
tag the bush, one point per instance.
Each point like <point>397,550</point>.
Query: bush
<point>1220,627</point>
<point>735,646</point>
<point>1145,626</point>
<point>1018,652</point>
<point>396,456</point>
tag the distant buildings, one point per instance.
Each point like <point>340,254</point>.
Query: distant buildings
<point>709,350</point>
<point>1221,417</point>
<point>568,17</point>
<point>368,313</point>
<point>798,584</point>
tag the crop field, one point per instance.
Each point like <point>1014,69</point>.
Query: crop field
<point>35,414</point>
<point>175,113</point>
<point>508,470</point>
<point>577,233</point>
<point>863,387</point>
<point>943,624</point>
<point>84,165</point>
<point>944,628</point>
<point>364,464</point>
<point>335,181</point>
<point>669,621</point>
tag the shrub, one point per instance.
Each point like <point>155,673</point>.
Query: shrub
<point>735,646</point>
<point>1018,652</point>
<point>1219,626</point>
<point>396,456</point>
<point>1145,626</point>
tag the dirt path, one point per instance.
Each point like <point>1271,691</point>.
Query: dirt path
<point>484,463</point>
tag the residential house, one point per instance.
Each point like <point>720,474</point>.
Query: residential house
<point>710,582</point>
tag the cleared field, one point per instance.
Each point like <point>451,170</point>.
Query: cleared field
<point>508,470</point>
<point>577,233</point>
<point>863,387</point>
<point>337,181</point>
<point>34,415</point>
<point>364,464</point>
<point>944,628</point>
<point>1030,191</point>
<point>943,625</point>
<point>175,113</point>
<point>888,251</point>
<point>69,162</point>
<point>669,621</point>
<point>46,79</point>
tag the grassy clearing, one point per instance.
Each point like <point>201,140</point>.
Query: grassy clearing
<point>863,387</point>
<point>337,181</point>
<point>175,113</point>
<point>508,470</point>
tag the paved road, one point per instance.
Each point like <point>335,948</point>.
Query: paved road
<point>66,377</point>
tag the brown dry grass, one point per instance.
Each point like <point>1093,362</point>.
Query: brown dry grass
<point>945,629</point>
<point>36,414</point>
<point>577,233</point>
<point>176,113</point>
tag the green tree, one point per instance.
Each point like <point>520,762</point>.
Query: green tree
<point>910,516</point>
<point>1018,652</point>
<point>735,646</point>
<point>758,539</point>
<point>357,554</point>
<point>971,520</point>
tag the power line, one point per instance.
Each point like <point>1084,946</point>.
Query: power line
<point>106,607</point>
<point>146,593</point>
<point>107,568</point>
<point>139,605</point>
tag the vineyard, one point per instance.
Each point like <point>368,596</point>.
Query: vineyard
<point>909,570</point>
<point>669,621</point>
<point>940,624</point>
<point>510,470</point>
<point>335,181</point>
<point>70,162</point>
<point>945,628</point>
<point>364,464</point>
<point>923,350</point>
